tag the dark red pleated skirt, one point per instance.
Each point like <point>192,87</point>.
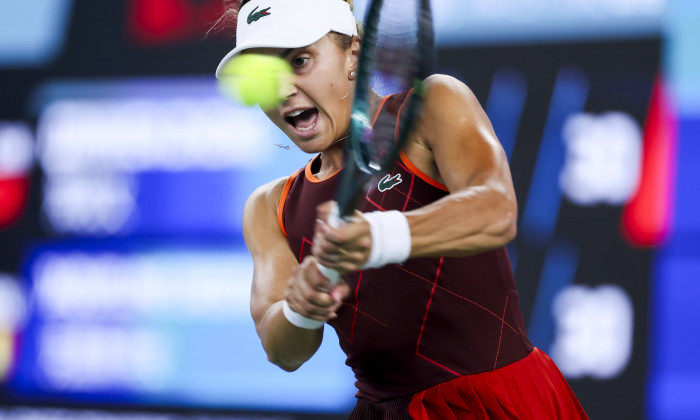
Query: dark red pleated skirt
<point>530,389</point>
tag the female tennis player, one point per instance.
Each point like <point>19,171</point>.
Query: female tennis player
<point>427,312</point>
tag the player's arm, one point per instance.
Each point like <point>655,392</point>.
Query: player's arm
<point>455,144</point>
<point>278,276</point>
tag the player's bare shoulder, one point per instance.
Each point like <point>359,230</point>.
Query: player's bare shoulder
<point>260,211</point>
<point>444,81</point>
<point>450,108</point>
<point>269,193</point>
<point>446,95</point>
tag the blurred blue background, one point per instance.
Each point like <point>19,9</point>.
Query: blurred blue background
<point>124,279</point>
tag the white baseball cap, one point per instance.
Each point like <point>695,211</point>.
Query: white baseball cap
<point>288,24</point>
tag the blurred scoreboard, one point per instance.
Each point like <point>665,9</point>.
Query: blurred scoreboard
<point>585,127</point>
<point>138,292</point>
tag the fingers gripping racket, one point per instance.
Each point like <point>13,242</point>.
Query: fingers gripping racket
<point>396,56</point>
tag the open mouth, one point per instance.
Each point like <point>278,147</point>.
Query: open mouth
<point>303,120</point>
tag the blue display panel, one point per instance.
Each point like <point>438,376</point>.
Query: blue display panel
<point>674,379</point>
<point>159,156</point>
<point>32,32</point>
<point>142,295</point>
<point>144,323</point>
<point>675,369</point>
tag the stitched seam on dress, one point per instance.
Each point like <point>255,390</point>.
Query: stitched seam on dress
<point>357,302</point>
<point>304,241</point>
<point>463,298</point>
<point>500,337</point>
<point>409,198</point>
<point>427,307</point>
<point>366,314</point>
<point>425,319</point>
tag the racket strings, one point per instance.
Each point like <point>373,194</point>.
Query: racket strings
<point>393,66</point>
<point>396,52</point>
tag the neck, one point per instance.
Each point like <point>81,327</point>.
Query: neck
<point>332,158</point>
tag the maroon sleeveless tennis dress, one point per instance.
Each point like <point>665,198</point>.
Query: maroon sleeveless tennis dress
<point>430,338</point>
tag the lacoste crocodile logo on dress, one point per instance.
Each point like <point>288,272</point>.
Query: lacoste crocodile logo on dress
<point>389,182</point>
<point>254,16</point>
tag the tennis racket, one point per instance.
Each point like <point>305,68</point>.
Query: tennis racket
<point>396,56</point>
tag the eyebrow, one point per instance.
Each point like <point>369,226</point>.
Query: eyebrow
<point>285,53</point>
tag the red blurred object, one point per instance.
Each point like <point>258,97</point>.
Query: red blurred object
<point>647,218</point>
<point>159,22</point>
<point>13,199</point>
<point>532,388</point>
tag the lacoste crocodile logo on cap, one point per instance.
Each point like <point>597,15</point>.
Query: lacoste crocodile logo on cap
<point>254,16</point>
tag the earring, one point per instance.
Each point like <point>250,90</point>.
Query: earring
<point>353,75</point>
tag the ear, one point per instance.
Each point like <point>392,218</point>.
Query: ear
<point>353,57</point>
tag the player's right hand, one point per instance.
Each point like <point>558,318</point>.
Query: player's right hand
<point>311,295</point>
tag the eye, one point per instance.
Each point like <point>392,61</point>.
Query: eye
<point>299,61</point>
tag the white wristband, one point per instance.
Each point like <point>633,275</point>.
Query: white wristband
<point>299,320</point>
<point>391,238</point>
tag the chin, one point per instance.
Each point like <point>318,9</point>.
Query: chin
<point>314,145</point>
<point>310,147</point>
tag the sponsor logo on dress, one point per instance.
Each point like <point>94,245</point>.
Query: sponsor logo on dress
<point>389,182</point>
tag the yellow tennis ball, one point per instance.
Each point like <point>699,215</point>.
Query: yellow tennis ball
<point>256,79</point>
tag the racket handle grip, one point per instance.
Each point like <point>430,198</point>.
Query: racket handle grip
<point>329,273</point>
<point>333,220</point>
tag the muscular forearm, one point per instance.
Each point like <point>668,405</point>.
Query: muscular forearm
<point>466,222</point>
<point>286,346</point>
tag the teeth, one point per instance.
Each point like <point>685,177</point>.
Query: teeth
<point>294,114</point>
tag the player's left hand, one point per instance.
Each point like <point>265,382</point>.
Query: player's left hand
<point>345,248</point>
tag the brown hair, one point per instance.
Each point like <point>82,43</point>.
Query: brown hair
<point>228,20</point>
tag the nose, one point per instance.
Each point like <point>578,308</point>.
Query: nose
<point>288,87</point>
